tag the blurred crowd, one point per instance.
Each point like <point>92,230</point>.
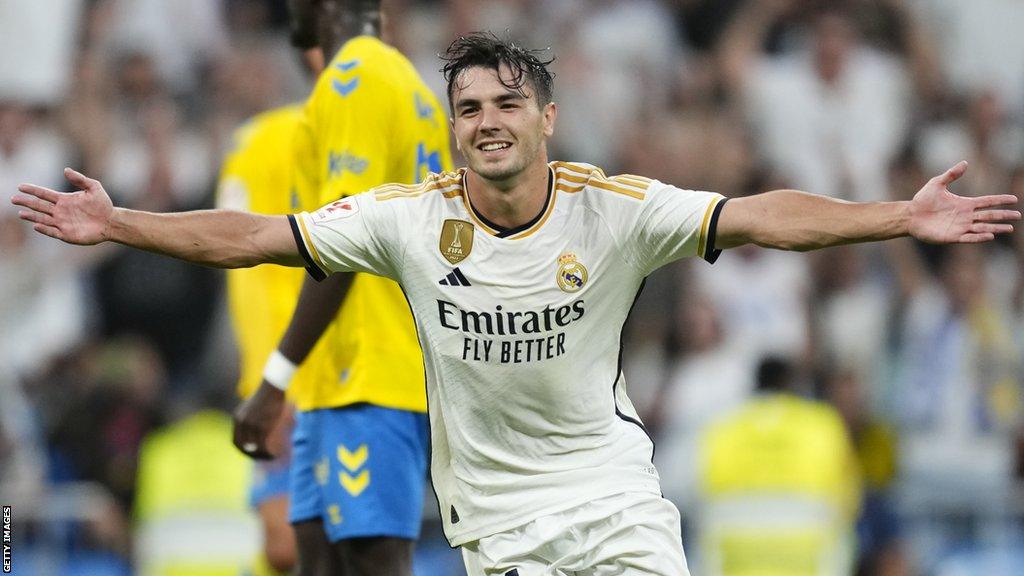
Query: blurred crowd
<point>916,349</point>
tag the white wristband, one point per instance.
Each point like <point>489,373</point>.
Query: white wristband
<point>278,370</point>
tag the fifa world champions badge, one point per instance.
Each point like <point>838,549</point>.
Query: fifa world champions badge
<point>572,274</point>
<point>456,240</point>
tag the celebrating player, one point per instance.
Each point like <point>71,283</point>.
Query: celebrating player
<point>520,273</point>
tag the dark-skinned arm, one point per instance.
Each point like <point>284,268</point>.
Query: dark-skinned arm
<point>317,306</point>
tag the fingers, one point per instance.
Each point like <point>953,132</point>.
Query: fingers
<point>37,218</point>
<point>995,200</point>
<point>983,227</point>
<point>251,441</point>
<point>48,231</point>
<point>37,191</point>
<point>80,180</point>
<point>951,175</point>
<point>996,215</point>
<point>33,203</point>
<point>972,238</point>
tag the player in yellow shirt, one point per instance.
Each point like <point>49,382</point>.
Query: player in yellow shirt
<point>360,446</point>
<point>256,177</point>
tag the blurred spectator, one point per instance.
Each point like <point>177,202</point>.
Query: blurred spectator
<point>980,46</point>
<point>608,51</point>
<point>191,515</point>
<point>852,311</point>
<point>180,37</point>
<point>41,307</point>
<point>830,112</point>
<point>880,550</point>
<point>981,133</point>
<point>779,485</point>
<point>37,43</point>
<point>712,374</point>
<point>763,298</point>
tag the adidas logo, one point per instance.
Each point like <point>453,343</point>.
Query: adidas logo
<point>454,515</point>
<point>455,278</point>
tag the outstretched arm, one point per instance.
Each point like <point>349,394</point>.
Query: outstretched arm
<point>219,238</point>
<point>792,220</point>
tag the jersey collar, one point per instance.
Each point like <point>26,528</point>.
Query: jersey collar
<point>521,231</point>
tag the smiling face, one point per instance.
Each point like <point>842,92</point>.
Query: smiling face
<point>501,131</point>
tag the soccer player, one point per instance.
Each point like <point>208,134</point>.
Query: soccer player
<point>360,447</point>
<point>520,273</point>
<point>256,177</point>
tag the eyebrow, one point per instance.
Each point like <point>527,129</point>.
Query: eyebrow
<point>507,96</point>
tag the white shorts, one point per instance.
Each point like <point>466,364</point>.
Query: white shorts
<point>626,534</point>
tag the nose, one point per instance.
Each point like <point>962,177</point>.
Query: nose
<point>489,119</point>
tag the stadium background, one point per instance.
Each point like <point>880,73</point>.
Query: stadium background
<point>919,349</point>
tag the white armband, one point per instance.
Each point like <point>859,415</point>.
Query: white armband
<point>279,370</point>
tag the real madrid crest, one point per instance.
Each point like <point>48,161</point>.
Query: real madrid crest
<point>572,274</point>
<point>456,240</point>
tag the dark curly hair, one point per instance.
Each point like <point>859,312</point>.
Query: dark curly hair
<point>485,50</point>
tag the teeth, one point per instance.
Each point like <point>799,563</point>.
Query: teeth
<point>494,146</point>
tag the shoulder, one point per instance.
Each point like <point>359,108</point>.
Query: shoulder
<point>369,57</point>
<point>435,187</point>
<point>578,177</point>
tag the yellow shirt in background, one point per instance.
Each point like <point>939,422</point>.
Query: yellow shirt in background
<point>370,120</point>
<point>780,491</point>
<point>257,177</point>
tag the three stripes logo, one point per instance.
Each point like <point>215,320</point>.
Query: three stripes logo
<point>455,278</point>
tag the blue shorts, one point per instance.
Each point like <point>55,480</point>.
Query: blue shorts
<point>269,481</point>
<point>361,469</point>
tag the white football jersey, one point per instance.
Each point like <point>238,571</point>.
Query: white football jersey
<point>521,329</point>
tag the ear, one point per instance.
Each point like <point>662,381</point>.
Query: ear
<point>550,112</point>
<point>451,124</point>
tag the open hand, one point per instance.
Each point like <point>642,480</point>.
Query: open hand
<point>938,216</point>
<point>81,217</point>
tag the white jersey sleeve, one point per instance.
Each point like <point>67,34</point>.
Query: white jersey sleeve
<point>670,224</point>
<point>354,234</point>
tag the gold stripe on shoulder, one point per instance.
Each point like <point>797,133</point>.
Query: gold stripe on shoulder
<point>612,187</point>
<point>570,189</point>
<point>573,178</point>
<point>394,192</point>
<point>447,191</point>
<point>632,180</point>
<point>439,182</point>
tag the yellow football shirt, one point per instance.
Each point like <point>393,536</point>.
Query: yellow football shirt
<point>370,120</point>
<point>257,177</point>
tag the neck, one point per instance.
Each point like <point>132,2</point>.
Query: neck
<point>510,203</point>
<point>340,22</point>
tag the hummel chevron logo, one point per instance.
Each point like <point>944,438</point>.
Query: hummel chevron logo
<point>347,65</point>
<point>354,483</point>
<point>455,278</point>
<point>345,88</point>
